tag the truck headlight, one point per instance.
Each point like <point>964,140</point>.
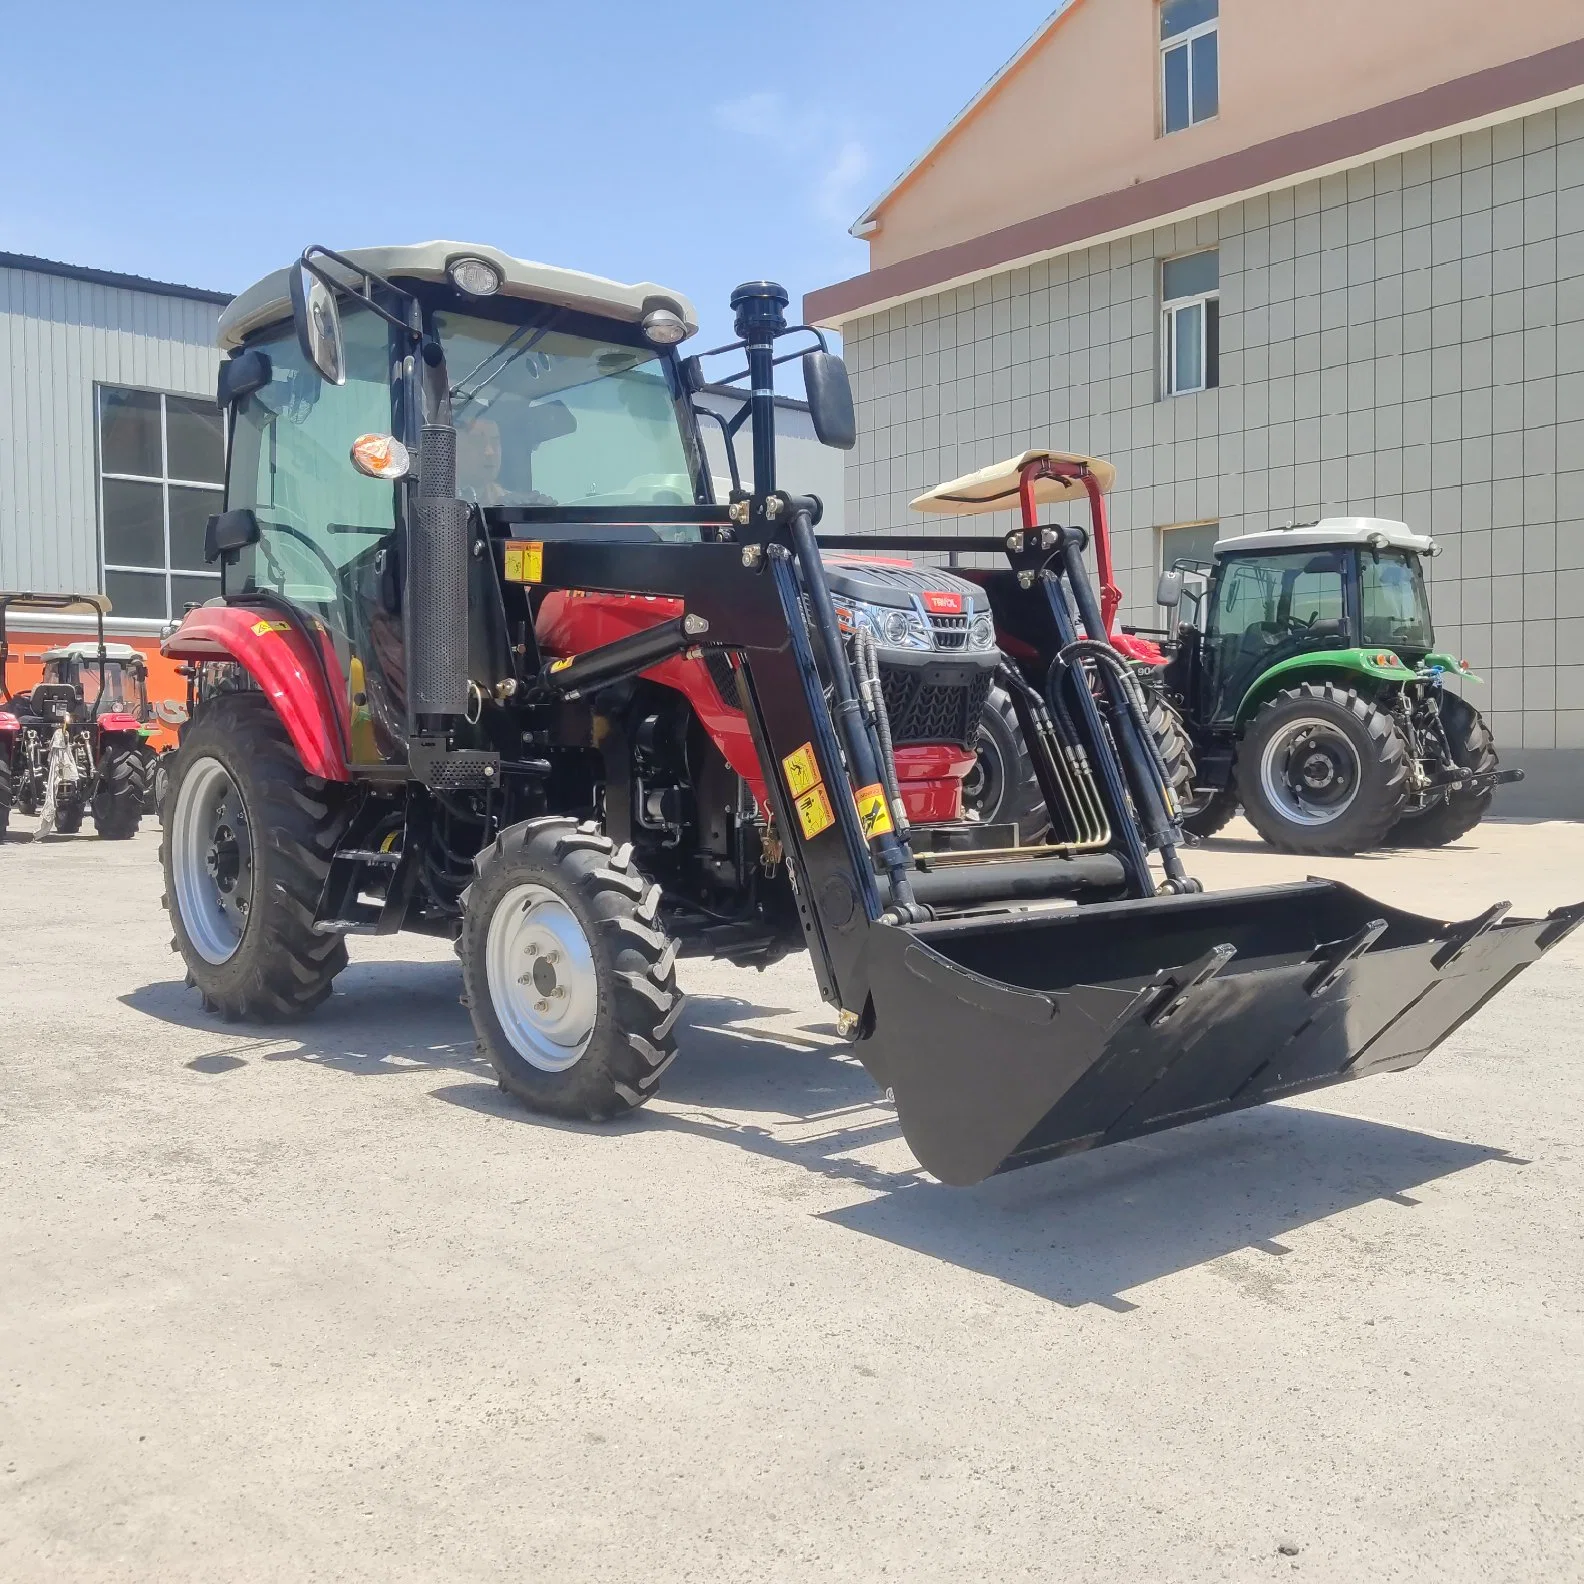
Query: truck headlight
<point>981,633</point>
<point>889,625</point>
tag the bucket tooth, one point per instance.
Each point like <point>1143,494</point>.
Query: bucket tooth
<point>1017,1038</point>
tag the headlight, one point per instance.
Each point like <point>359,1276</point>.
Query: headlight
<point>981,633</point>
<point>892,627</point>
<point>475,276</point>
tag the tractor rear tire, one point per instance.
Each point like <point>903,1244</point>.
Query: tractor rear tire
<point>1474,748</point>
<point>569,975</point>
<point>1341,735</point>
<point>252,882</point>
<point>5,786</point>
<point>1209,811</point>
<point>120,793</point>
<point>1172,743</point>
<point>1002,788</point>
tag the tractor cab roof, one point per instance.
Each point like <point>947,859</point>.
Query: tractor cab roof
<point>268,302</point>
<point>87,649</point>
<point>1381,532</point>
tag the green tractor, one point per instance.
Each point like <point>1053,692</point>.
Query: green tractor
<point>1314,696</point>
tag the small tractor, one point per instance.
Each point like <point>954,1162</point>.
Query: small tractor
<point>1314,695</point>
<point>75,741</point>
<point>492,663</point>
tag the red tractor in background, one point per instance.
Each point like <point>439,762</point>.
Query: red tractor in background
<point>74,742</point>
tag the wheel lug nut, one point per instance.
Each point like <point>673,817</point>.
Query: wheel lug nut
<point>541,1006</point>
<point>552,956</point>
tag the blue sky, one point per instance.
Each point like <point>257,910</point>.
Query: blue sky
<point>693,144</point>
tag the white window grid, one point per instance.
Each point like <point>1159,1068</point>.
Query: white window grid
<point>1174,312</point>
<point>165,481</point>
<point>1184,42</point>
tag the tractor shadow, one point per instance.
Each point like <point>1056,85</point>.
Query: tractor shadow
<point>1081,1231</point>
<point>382,1018</point>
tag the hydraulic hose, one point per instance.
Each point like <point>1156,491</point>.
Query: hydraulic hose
<point>872,692</point>
<point>1105,655</point>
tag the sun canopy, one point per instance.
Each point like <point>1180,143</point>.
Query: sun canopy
<point>995,488</point>
<point>57,602</point>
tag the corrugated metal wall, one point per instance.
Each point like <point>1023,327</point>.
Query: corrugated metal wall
<point>58,337</point>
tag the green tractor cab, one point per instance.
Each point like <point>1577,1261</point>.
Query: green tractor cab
<point>1314,695</point>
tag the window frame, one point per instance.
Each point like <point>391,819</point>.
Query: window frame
<point>1170,309</point>
<point>1185,41</point>
<point>165,481</point>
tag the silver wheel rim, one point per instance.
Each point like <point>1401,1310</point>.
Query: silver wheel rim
<point>1310,772</point>
<point>542,982</point>
<point>212,860</point>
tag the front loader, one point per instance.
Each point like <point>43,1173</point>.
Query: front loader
<point>491,662</point>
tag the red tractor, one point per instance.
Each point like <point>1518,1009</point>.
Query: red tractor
<point>74,742</point>
<point>492,663</point>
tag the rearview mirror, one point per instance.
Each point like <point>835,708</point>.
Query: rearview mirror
<point>1169,590</point>
<point>317,321</point>
<point>228,532</point>
<point>830,400</point>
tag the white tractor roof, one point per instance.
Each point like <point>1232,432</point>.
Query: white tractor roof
<point>1333,531</point>
<point>89,650</point>
<point>268,302</point>
<point>995,488</point>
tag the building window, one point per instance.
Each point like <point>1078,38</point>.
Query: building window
<point>1190,63</point>
<point>1190,542</point>
<point>161,475</point>
<point>1191,323</point>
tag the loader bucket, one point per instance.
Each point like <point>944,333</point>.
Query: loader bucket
<point>1010,1040</point>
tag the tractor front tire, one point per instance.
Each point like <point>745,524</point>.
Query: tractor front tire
<point>1002,788</point>
<point>1322,770</point>
<point>5,786</point>
<point>1456,814</point>
<point>68,818</point>
<point>1206,811</point>
<point>120,792</point>
<point>569,975</point>
<point>245,849</point>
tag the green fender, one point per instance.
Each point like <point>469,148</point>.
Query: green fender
<point>1348,666</point>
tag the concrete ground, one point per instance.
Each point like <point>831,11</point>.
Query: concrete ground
<point>323,1305</point>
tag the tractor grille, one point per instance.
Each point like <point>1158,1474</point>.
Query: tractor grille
<point>951,632</point>
<point>924,713</point>
<point>722,675</point>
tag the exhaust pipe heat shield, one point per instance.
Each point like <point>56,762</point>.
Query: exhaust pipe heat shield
<point>1014,1039</point>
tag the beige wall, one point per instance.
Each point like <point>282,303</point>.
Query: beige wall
<point>1077,117</point>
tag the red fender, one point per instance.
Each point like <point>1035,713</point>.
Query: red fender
<point>117,721</point>
<point>277,655</point>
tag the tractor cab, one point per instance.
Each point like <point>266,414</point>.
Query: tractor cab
<point>1272,599</point>
<point>120,686</point>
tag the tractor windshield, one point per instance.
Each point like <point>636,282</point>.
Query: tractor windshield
<point>1395,609</point>
<point>549,416</point>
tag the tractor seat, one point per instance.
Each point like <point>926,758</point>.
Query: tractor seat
<point>53,699</point>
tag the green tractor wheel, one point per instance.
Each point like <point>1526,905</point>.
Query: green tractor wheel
<point>1457,813</point>
<point>1322,770</point>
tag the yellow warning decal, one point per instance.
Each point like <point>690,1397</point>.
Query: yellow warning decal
<point>262,627</point>
<point>802,770</point>
<point>524,561</point>
<point>873,814</point>
<point>815,812</point>
<point>561,665</point>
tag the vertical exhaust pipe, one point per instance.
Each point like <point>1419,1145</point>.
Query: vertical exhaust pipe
<point>437,582</point>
